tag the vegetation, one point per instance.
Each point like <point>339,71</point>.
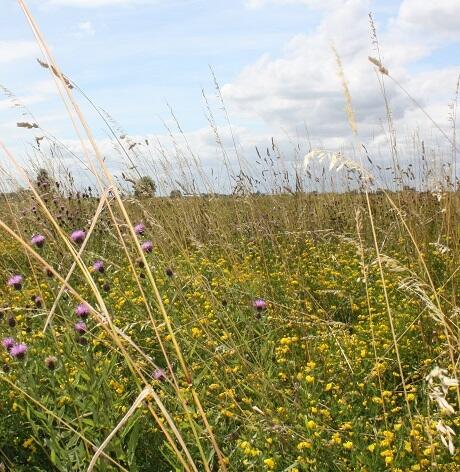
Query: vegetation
<point>289,329</point>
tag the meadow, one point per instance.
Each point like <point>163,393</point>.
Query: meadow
<point>304,320</point>
<point>290,341</point>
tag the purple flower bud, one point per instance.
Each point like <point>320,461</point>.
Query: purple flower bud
<point>16,281</point>
<point>82,310</point>
<point>37,300</point>
<point>159,374</point>
<point>80,327</point>
<point>8,343</point>
<point>259,304</point>
<point>139,228</point>
<point>38,240</point>
<point>98,266</point>
<point>147,246</point>
<point>169,272</point>
<point>78,236</point>
<point>18,351</point>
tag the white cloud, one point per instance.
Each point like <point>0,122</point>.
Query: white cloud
<point>86,27</point>
<point>14,50</point>
<point>302,86</point>
<point>440,17</point>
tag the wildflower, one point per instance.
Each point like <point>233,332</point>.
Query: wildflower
<point>16,281</point>
<point>82,310</point>
<point>38,240</point>
<point>159,374</point>
<point>37,300</point>
<point>18,351</point>
<point>139,229</point>
<point>259,304</point>
<point>78,236</point>
<point>80,327</point>
<point>348,445</point>
<point>50,362</point>
<point>8,343</point>
<point>11,321</point>
<point>147,246</point>
<point>270,463</point>
<point>98,266</point>
<point>169,272</point>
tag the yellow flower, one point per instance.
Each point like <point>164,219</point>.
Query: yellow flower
<point>348,445</point>
<point>270,463</point>
<point>304,445</point>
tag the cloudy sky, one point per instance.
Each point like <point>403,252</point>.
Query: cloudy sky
<point>272,58</point>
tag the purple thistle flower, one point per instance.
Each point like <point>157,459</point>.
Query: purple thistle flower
<point>98,266</point>
<point>82,310</point>
<point>80,327</point>
<point>8,343</point>
<point>38,240</point>
<point>159,374</point>
<point>16,281</point>
<point>147,246</point>
<point>18,351</point>
<point>37,300</point>
<point>78,236</point>
<point>139,228</point>
<point>259,304</point>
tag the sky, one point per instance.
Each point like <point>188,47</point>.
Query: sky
<point>273,61</point>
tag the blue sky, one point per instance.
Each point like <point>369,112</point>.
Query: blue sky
<point>271,57</point>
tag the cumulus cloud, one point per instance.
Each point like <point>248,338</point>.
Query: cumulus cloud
<point>302,86</point>
<point>440,17</point>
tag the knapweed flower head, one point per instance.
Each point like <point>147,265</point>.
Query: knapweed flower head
<point>18,351</point>
<point>98,266</point>
<point>37,300</point>
<point>80,327</point>
<point>169,272</point>
<point>78,236</point>
<point>38,240</point>
<point>50,362</point>
<point>139,228</point>
<point>147,246</point>
<point>8,343</point>
<point>259,304</point>
<point>82,310</point>
<point>159,374</point>
<point>16,281</point>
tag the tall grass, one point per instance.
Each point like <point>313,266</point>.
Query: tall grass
<point>285,330</point>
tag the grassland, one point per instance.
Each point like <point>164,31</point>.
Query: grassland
<point>329,374</point>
